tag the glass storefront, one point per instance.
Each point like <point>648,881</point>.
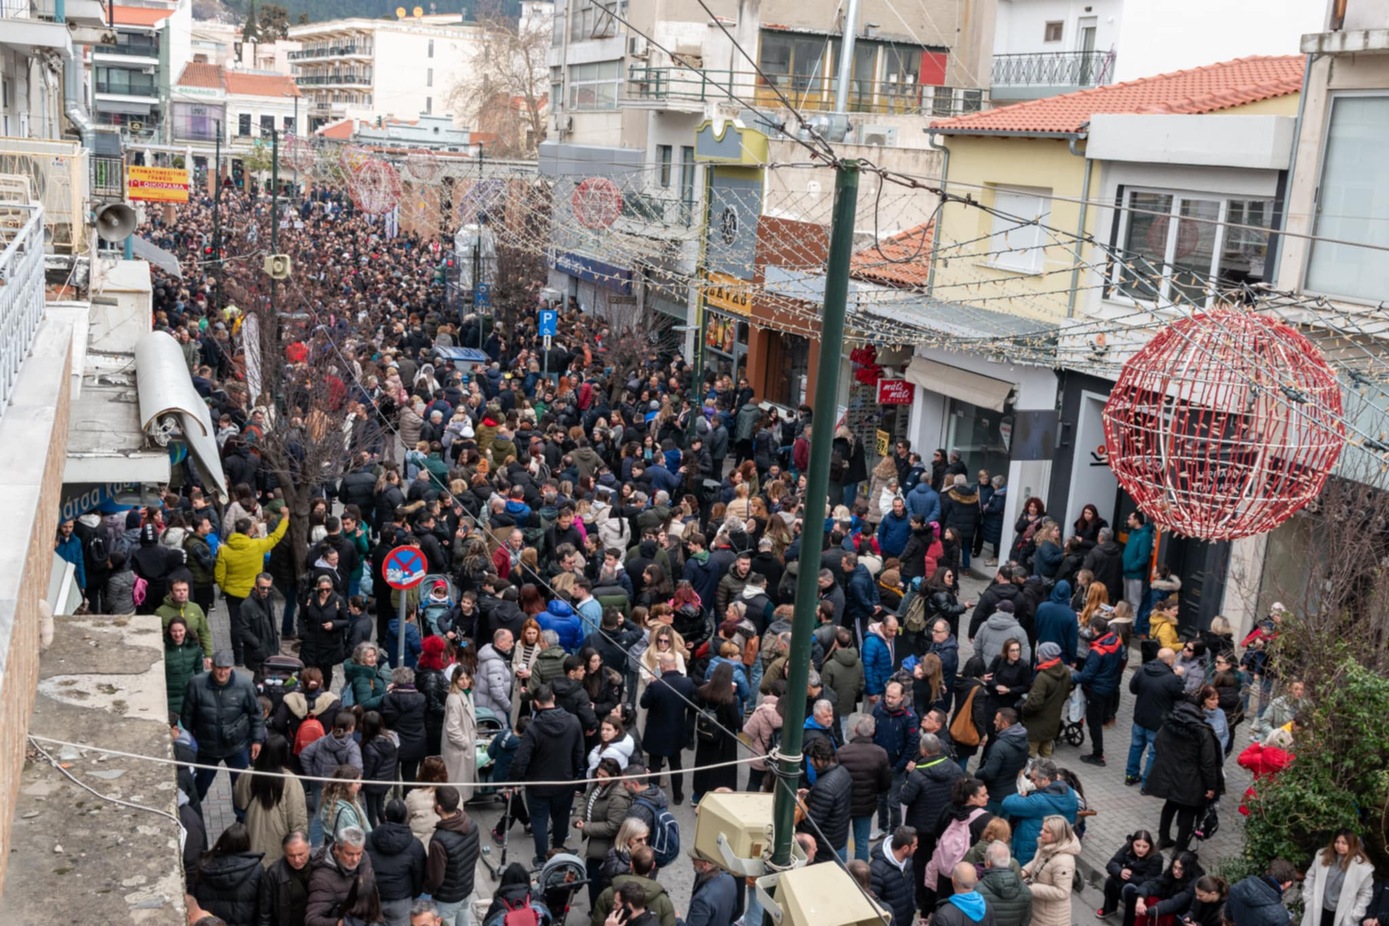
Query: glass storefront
<point>982,435</point>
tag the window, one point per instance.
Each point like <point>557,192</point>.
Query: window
<point>687,182</point>
<point>428,104</point>
<point>1180,248</point>
<point>664,154</point>
<point>1352,202</point>
<point>797,64</point>
<point>595,85</point>
<point>1017,241</point>
<point>594,19</point>
<point>267,126</point>
<point>429,77</point>
<point>122,81</point>
<point>1053,30</point>
<point>287,124</point>
<point>243,124</point>
<point>431,49</point>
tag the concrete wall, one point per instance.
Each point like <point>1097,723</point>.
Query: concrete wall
<point>33,442</point>
<point>1158,37</point>
<point>402,63</point>
<point>1021,25</point>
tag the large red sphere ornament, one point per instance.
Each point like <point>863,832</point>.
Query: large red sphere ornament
<point>597,202</point>
<point>1224,425</point>
<point>375,187</point>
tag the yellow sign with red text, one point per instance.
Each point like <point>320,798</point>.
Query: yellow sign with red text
<point>156,184</point>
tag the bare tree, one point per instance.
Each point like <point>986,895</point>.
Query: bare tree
<point>506,93</point>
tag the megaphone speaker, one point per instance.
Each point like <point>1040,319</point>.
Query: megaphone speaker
<point>114,222</point>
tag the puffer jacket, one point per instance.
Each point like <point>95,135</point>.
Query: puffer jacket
<point>323,756</point>
<point>1028,811</point>
<point>403,711</point>
<point>1041,712</point>
<point>1050,873</point>
<point>1188,758</point>
<point>1103,667</point>
<point>451,858</point>
<point>892,883</point>
<point>1056,622</point>
<point>241,558</point>
<point>368,683</point>
<point>229,886</point>
<point>397,857</point>
<point>844,673</point>
<point>549,665</point>
<point>897,732</point>
<point>926,792</point>
<point>329,886</point>
<point>1005,757</point>
<point>1008,896</point>
<point>1256,901</point>
<point>828,805</point>
<point>560,617</point>
<point>224,719</point>
<point>603,808</point>
<point>492,686</point>
<point>181,663</point>
<point>868,765</point>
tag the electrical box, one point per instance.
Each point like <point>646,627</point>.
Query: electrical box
<point>820,895</point>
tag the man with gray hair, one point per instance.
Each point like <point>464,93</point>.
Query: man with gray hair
<point>1106,562</point>
<point>871,772</point>
<point>284,891</point>
<point>336,871</point>
<point>819,726</point>
<point>925,795</point>
<point>1003,888</point>
<point>424,913</point>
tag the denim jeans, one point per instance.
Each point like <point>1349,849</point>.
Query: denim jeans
<point>287,618</point>
<point>890,804</point>
<point>459,913</point>
<point>549,811</point>
<point>234,762</point>
<point>863,830</point>
<point>1141,738</point>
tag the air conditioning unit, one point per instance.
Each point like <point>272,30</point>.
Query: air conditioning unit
<point>884,136</point>
<point>636,46</point>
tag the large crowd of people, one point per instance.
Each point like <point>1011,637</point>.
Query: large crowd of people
<point>612,555</point>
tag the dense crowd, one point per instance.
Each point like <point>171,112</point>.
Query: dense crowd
<point>612,553</point>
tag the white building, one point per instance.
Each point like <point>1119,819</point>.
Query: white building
<point>1045,47</point>
<point>132,76</point>
<point>365,68</point>
<point>246,106</point>
<point>220,43</point>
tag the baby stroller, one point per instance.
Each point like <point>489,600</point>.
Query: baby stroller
<point>489,724</point>
<point>431,612</point>
<point>1073,718</point>
<point>281,677</point>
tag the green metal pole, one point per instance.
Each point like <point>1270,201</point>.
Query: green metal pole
<point>813,518</point>
<point>275,249</point>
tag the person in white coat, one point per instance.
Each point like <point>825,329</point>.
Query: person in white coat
<point>459,745</point>
<point>1339,884</point>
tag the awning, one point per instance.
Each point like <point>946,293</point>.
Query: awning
<point>157,256</point>
<point>171,409</point>
<point>983,391</point>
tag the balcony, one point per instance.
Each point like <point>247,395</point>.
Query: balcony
<point>651,209</point>
<point>107,177</point>
<point>692,89</point>
<point>148,52</point>
<point>1032,76</point>
<point>334,80</point>
<point>347,49</point>
<point>21,298</point>
<point>148,89</point>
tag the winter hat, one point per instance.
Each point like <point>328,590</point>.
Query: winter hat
<point>1005,606</point>
<point>148,536</point>
<point>1048,651</point>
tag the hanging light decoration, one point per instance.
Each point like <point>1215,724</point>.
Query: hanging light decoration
<point>1224,425</point>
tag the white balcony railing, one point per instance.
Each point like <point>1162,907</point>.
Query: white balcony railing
<point>21,296</point>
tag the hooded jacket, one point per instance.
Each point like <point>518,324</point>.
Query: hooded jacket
<point>452,857</point>
<point>1051,872</point>
<point>926,792</point>
<point>893,533</point>
<point>1257,901</point>
<point>997,630</point>
<point>1028,811</point>
<point>398,859</point>
<point>1156,688</point>
<point>552,749</point>
<point>1188,758</point>
<point>658,902</point>
<point>1008,896</point>
<point>1137,552</point>
<point>1056,622</point>
<point>1104,666</point>
<point>560,617</point>
<point>323,756</point>
<point>229,886</point>
<point>329,885</point>
<point>960,510</point>
<point>241,558</point>
<point>192,615</point>
<point>493,685</point>
<point>877,660</point>
<point>964,910</point>
<point>892,881</point>
<point>1041,712</point>
<point>924,501</point>
<point>870,771</point>
<point>843,672</point>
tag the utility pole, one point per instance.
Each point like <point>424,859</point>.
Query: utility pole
<point>217,218</point>
<point>788,767</point>
<point>275,249</point>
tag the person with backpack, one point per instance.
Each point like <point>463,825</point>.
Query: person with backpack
<point>552,750</point>
<point>513,904</point>
<point>961,826</point>
<point>649,806</point>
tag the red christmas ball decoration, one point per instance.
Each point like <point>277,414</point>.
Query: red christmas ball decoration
<point>1224,425</point>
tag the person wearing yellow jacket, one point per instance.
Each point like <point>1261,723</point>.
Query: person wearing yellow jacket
<point>239,560</point>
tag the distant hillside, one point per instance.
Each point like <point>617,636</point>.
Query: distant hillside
<point>317,10</point>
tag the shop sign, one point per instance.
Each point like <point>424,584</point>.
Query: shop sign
<point>729,293</point>
<point>608,276</point>
<point>895,392</point>
<point>156,184</point>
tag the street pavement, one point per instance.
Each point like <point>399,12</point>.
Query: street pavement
<point>1119,809</point>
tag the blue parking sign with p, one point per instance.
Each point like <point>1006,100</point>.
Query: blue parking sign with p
<point>483,296</point>
<point>549,323</point>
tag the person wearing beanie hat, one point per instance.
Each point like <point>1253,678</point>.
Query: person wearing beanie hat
<point>1041,712</point>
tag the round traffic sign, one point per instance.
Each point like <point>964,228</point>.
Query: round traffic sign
<point>404,568</point>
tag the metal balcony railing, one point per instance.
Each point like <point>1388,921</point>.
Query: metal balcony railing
<point>319,80</point>
<point>15,9</point>
<point>1054,69</point>
<point>149,50</point>
<point>658,210</point>
<point>126,88</point>
<point>21,298</point>
<point>331,51</point>
<point>651,86</point>
<point>108,176</point>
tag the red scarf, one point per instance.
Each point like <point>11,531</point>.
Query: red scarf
<point>1043,666</point>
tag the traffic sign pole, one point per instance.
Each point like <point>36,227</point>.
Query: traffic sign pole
<point>400,637</point>
<point>403,569</point>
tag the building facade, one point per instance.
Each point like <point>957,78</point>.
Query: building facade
<point>133,75</point>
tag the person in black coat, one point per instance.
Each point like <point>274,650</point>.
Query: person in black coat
<point>398,858</point>
<point>1005,756</point>
<point>326,620</point>
<point>926,794</point>
<point>1186,772</point>
<point>228,878</point>
<point>1002,589</point>
<point>1106,563</point>
<point>403,710</point>
<point>1137,861</point>
<point>667,704</point>
<point>893,879</point>
<point>552,749</point>
<point>827,801</point>
<point>284,889</point>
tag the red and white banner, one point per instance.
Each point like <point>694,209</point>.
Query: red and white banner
<point>895,392</point>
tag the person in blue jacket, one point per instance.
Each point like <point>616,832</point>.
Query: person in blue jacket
<point>1100,677</point>
<point>1138,552</point>
<point>561,617</point>
<point>924,501</point>
<point>1050,796</point>
<point>1055,622</point>
<point>894,530</point>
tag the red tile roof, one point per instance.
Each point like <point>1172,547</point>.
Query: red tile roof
<point>902,260</point>
<point>261,84</point>
<point>1191,92</point>
<point>140,15</point>
<point>201,74</point>
<point>342,130</point>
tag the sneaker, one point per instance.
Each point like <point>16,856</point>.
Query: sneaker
<point>496,836</point>
<point>1102,913</point>
<point>1131,780</point>
<point>1092,759</point>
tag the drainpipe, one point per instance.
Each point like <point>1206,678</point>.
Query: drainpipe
<point>940,215</point>
<point>846,57</point>
<point>73,106</point>
<point>1080,227</point>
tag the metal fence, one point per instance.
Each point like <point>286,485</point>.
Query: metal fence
<point>21,296</point>
<point>1054,69</point>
